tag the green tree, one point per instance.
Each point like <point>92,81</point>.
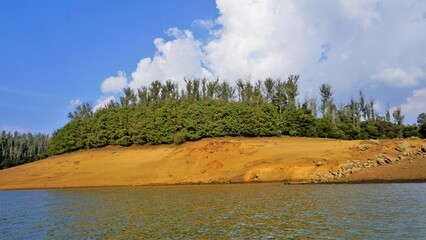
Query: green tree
<point>398,116</point>
<point>270,89</point>
<point>421,119</point>
<point>83,110</point>
<point>326,101</point>
<point>291,90</point>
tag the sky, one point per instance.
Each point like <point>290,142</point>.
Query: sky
<point>55,55</point>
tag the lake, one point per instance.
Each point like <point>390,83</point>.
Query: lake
<point>233,211</point>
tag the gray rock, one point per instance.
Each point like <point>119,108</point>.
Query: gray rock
<point>347,166</point>
<point>380,161</point>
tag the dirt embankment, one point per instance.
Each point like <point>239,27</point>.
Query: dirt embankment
<point>223,160</point>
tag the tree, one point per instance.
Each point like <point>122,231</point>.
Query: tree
<point>169,90</point>
<point>398,116</point>
<point>226,92</point>
<point>19,148</point>
<point>154,90</point>
<point>421,119</point>
<point>240,89</point>
<point>212,89</point>
<point>280,98</point>
<point>291,90</point>
<point>422,130</point>
<point>362,105</point>
<point>81,111</point>
<point>270,90</point>
<point>143,95</point>
<point>387,115</point>
<point>326,101</point>
<point>128,98</point>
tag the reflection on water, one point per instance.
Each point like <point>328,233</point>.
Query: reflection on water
<point>242,211</point>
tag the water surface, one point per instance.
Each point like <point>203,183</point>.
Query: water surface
<point>240,211</point>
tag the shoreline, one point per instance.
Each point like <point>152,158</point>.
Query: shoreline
<point>359,182</point>
<point>228,160</point>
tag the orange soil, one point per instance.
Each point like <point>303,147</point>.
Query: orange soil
<point>216,160</point>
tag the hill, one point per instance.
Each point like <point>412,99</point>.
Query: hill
<point>227,160</point>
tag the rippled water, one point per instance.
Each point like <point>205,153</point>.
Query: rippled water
<point>242,211</point>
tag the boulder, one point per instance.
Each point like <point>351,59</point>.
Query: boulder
<point>402,147</point>
<point>373,141</point>
<point>355,169</point>
<point>380,161</point>
<point>347,166</point>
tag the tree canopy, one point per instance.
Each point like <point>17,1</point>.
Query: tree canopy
<point>162,113</point>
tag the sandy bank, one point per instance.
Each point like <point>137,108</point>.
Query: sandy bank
<point>222,160</point>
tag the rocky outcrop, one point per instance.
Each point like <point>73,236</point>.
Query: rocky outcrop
<point>353,166</point>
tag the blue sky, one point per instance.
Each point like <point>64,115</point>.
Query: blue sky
<point>55,54</point>
<point>54,51</point>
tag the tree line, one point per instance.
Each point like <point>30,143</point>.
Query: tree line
<point>162,113</point>
<point>17,148</point>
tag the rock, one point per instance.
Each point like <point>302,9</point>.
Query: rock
<point>402,147</point>
<point>373,141</point>
<point>357,163</point>
<point>347,166</point>
<point>423,148</point>
<point>385,158</point>
<point>380,161</point>
<point>355,169</point>
<point>319,163</point>
<point>362,148</point>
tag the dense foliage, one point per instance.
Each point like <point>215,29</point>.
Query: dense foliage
<point>162,113</point>
<point>16,149</point>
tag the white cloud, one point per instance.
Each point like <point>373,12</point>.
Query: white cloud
<point>263,39</point>
<point>204,23</point>
<point>74,103</point>
<point>399,77</point>
<point>114,84</point>
<point>102,102</point>
<point>415,104</point>
<point>173,60</point>
<point>350,44</point>
<point>364,12</point>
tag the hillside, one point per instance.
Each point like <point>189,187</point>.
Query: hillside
<point>224,160</point>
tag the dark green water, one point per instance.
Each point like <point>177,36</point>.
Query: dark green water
<point>242,211</point>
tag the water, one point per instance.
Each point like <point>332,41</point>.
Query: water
<point>241,211</point>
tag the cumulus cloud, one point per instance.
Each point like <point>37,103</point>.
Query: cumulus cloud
<point>350,44</point>
<point>102,102</point>
<point>114,84</point>
<point>399,77</point>
<point>415,104</point>
<point>173,60</point>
